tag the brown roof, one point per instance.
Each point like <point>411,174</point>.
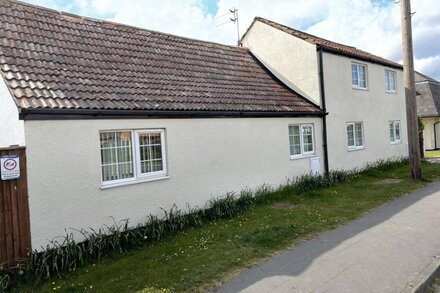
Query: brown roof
<point>330,46</point>
<point>56,60</point>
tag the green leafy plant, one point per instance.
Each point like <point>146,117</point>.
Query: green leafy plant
<point>64,254</point>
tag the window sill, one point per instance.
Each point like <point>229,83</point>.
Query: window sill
<point>356,149</point>
<point>391,92</point>
<point>360,88</point>
<point>293,158</point>
<point>395,142</point>
<point>131,182</point>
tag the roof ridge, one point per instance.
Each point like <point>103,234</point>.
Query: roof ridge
<point>302,32</point>
<point>113,23</point>
<point>331,46</point>
<point>426,78</point>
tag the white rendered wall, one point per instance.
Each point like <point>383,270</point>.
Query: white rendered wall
<point>11,128</point>
<point>428,132</point>
<point>292,60</point>
<point>374,107</point>
<point>206,158</point>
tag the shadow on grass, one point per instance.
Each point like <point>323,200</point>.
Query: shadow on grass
<point>293,262</point>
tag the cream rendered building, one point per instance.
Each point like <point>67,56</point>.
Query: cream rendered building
<point>363,94</point>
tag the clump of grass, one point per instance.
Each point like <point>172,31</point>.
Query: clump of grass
<point>64,254</point>
<point>4,281</point>
<point>383,165</point>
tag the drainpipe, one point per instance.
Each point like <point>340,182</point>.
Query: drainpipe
<point>324,109</point>
<point>436,142</point>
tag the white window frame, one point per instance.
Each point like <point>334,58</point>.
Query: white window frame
<point>301,139</point>
<point>387,75</point>
<point>394,122</point>
<point>138,154</point>
<point>354,147</point>
<point>358,87</point>
<point>138,177</point>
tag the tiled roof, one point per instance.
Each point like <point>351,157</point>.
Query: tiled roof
<point>428,96</point>
<point>330,45</point>
<point>57,60</point>
<point>420,77</point>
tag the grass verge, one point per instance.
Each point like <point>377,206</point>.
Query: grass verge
<point>198,257</point>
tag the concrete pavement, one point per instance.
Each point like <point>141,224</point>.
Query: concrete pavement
<point>384,251</point>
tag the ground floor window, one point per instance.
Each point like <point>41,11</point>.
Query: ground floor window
<point>132,154</point>
<point>301,139</point>
<point>395,131</point>
<point>355,136</point>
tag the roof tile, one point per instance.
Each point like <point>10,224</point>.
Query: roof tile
<point>53,60</point>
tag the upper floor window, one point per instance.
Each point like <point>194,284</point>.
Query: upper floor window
<point>355,135</point>
<point>390,81</point>
<point>395,132</point>
<point>132,154</point>
<point>359,76</point>
<point>301,140</point>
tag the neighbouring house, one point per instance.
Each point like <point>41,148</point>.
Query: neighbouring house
<point>363,94</point>
<point>121,122</point>
<point>428,109</point>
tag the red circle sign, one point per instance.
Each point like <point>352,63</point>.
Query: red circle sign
<point>10,164</point>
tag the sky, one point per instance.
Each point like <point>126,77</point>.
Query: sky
<point>370,25</point>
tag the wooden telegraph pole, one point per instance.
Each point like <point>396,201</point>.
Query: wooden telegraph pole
<point>410,92</point>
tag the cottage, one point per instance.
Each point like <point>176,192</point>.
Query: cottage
<point>428,109</point>
<point>120,121</point>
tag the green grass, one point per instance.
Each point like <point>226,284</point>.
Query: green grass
<point>197,258</point>
<point>432,154</point>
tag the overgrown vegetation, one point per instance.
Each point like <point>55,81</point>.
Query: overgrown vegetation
<point>67,255</point>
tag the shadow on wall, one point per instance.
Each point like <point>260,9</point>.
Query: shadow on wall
<point>290,263</point>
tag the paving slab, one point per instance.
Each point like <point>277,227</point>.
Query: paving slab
<point>384,251</point>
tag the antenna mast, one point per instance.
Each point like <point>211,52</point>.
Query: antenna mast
<point>233,19</point>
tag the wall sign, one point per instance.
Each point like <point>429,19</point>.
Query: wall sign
<point>10,167</point>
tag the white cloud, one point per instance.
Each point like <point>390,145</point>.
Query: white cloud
<point>377,29</point>
<point>361,23</point>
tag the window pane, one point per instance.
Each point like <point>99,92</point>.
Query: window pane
<point>391,131</point>
<point>359,75</point>
<point>397,129</point>
<point>393,81</point>
<point>362,80</point>
<point>354,75</point>
<point>350,135</point>
<point>308,138</point>
<point>390,81</point>
<point>150,150</point>
<point>116,155</point>
<point>358,134</point>
<point>157,165</point>
<point>295,140</point>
